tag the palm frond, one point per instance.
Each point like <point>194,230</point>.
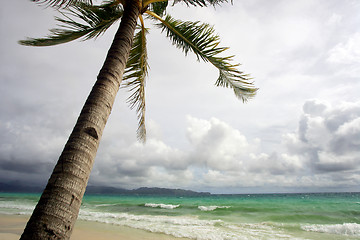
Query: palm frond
<point>61,3</point>
<point>201,40</point>
<point>159,7</point>
<point>134,79</point>
<point>80,21</point>
<point>201,3</point>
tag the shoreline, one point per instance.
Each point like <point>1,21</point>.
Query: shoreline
<point>12,226</point>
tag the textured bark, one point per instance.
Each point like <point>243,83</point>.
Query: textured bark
<point>57,210</point>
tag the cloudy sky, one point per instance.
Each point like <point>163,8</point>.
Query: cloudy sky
<point>301,133</point>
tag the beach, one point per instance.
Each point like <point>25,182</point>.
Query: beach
<point>12,226</point>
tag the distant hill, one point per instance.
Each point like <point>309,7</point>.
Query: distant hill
<point>20,187</point>
<point>143,191</point>
<point>23,188</point>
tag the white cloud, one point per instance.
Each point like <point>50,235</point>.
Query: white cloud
<point>218,146</point>
<point>335,19</point>
<point>347,52</point>
<point>350,128</point>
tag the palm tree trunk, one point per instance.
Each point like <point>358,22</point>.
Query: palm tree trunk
<point>57,210</point>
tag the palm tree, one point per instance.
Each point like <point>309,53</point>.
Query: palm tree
<point>57,210</point>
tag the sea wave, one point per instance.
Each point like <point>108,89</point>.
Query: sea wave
<point>16,205</point>
<point>16,208</point>
<point>189,226</point>
<point>161,205</point>
<point>106,205</point>
<point>211,208</point>
<point>349,229</point>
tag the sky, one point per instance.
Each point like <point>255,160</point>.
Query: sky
<point>301,133</point>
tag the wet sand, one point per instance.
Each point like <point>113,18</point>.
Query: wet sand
<point>12,226</point>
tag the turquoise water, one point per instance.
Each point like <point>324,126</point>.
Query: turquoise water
<point>218,217</point>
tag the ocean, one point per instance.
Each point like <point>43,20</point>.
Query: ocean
<point>326,216</point>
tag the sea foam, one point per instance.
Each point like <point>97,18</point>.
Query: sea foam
<point>349,229</point>
<point>211,208</point>
<point>13,207</point>
<point>161,205</point>
<point>189,226</point>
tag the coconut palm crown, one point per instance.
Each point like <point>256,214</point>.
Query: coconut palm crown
<point>83,20</point>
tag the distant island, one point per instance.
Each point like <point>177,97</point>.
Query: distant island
<point>23,188</point>
<point>144,191</point>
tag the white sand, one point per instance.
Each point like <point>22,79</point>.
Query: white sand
<point>11,228</point>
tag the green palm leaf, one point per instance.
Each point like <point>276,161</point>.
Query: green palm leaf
<point>159,8</point>
<point>201,3</point>
<point>200,39</point>
<point>134,79</point>
<point>95,21</point>
<point>61,3</point>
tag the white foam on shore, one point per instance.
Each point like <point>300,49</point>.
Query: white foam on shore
<point>106,205</point>
<point>13,207</point>
<point>349,229</point>
<point>161,205</point>
<point>189,226</point>
<point>211,208</point>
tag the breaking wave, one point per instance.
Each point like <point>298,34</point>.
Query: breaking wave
<point>349,229</point>
<point>189,226</point>
<point>161,205</point>
<point>211,208</point>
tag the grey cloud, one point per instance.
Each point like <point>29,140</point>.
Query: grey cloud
<point>27,166</point>
<point>314,108</point>
<point>345,144</point>
<point>279,166</point>
<point>303,128</point>
<point>136,162</point>
<point>126,167</point>
<point>275,164</point>
<point>31,140</point>
<point>335,167</point>
<point>342,114</point>
<point>329,137</point>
